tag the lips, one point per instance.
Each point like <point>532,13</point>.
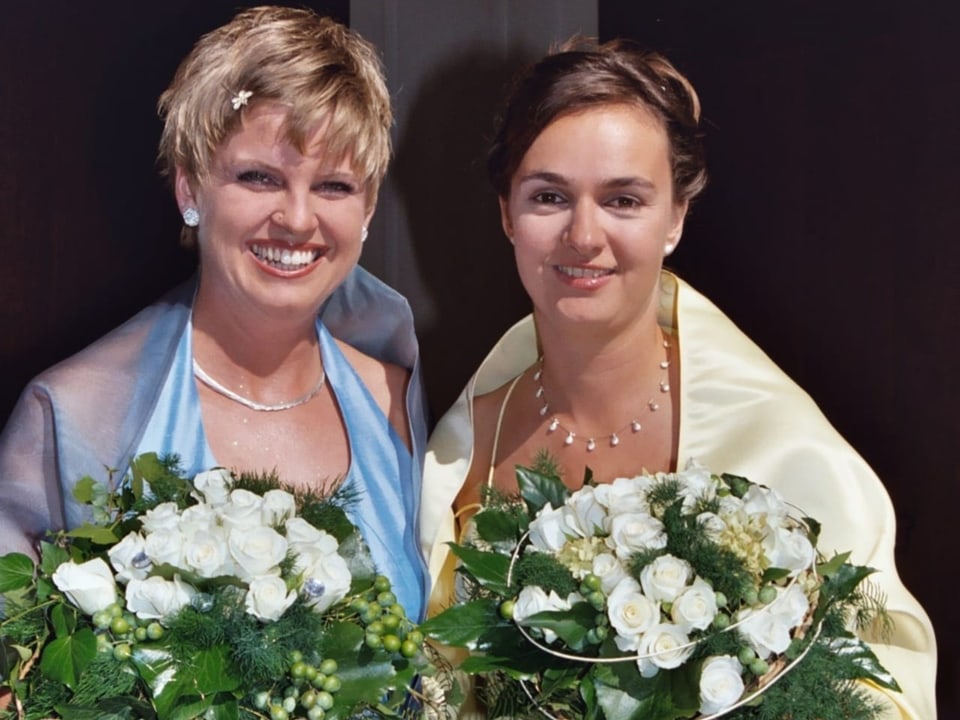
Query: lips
<point>286,259</point>
<point>576,271</point>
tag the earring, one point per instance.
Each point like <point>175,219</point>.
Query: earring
<point>191,218</point>
<point>363,234</point>
<point>668,248</point>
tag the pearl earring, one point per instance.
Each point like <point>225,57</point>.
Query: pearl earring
<point>191,218</point>
<point>668,248</point>
<point>363,234</point>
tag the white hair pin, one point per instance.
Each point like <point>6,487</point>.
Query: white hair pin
<point>240,99</point>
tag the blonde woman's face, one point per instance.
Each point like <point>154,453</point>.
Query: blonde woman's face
<point>591,214</point>
<point>279,229</point>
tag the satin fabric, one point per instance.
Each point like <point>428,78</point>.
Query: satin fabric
<point>88,414</point>
<point>740,414</point>
<point>378,456</point>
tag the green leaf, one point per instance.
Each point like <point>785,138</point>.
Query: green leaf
<point>571,625</point>
<point>83,491</point>
<point>192,688</point>
<point>866,661</point>
<point>488,568</point>
<point>839,584</point>
<point>16,571</point>
<point>64,619</point>
<point>65,658</point>
<point>537,490</point>
<point>772,574</point>
<point>497,526</point>
<point>460,625</point>
<point>97,534</point>
<point>51,557</point>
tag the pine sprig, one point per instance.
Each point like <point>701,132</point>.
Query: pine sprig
<point>546,571</point>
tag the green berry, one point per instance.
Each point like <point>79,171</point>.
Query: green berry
<point>767,594</point>
<point>375,628</point>
<point>391,643</point>
<point>324,700</point>
<point>102,619</point>
<point>721,621</point>
<point>408,648</point>
<point>289,704</point>
<point>592,582</point>
<point>122,651</point>
<point>119,626</point>
<point>597,600</point>
<point>332,684</point>
<point>416,637</point>
<point>316,713</point>
<point>398,610</point>
<point>506,609</point>
<point>261,700</point>
<point>390,622</point>
<point>746,655</point>
<point>278,712</point>
<point>374,642</point>
<point>328,666</point>
<point>381,583</point>
<point>298,669</point>
<point>114,610</point>
<point>310,673</point>
<point>759,667</point>
<point>721,599</point>
<point>386,599</point>
<point>140,634</point>
<point>308,699</point>
<point>155,631</point>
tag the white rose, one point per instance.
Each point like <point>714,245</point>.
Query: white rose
<point>765,501</point>
<point>665,578</point>
<point>89,586</point>
<point>766,632</point>
<point>625,495</point>
<point>278,505</point>
<point>326,582</point>
<point>631,613</point>
<point>721,684</point>
<point>532,600</point>
<point>164,546</point>
<point>256,551</point>
<point>213,486</point>
<point>789,549</point>
<point>791,605</point>
<point>206,554</point>
<point>712,524</point>
<point>129,558</point>
<point>548,531</point>
<point>302,536</point>
<point>156,598</point>
<point>666,647</point>
<point>268,598</point>
<point>696,484</point>
<point>587,515</point>
<point>630,532</point>
<point>165,516</point>
<point>610,571</point>
<point>695,607</point>
<point>198,518</point>
<point>243,511</point>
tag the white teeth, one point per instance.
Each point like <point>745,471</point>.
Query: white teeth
<point>581,272</point>
<point>285,259</point>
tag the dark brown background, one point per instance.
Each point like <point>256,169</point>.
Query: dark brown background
<point>828,231</point>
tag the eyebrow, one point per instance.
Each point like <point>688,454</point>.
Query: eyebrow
<point>555,178</point>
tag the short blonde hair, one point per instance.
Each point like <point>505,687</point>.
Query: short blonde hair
<point>319,69</point>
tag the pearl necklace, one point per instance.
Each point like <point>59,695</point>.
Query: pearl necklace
<point>203,377</point>
<point>633,426</point>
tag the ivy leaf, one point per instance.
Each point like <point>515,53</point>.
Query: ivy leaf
<point>16,571</point>
<point>97,534</point>
<point>488,568</point>
<point>537,490</point>
<point>192,689</point>
<point>51,557</point>
<point>865,660</point>
<point>83,491</point>
<point>64,620</point>
<point>460,625</point>
<point>571,625</point>
<point>497,525</point>
<point>65,658</point>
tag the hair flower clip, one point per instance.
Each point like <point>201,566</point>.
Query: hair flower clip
<point>240,99</point>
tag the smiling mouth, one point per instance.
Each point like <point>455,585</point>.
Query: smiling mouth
<point>286,259</point>
<point>582,272</point>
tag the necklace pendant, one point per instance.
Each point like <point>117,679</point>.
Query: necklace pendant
<point>539,392</point>
<point>664,386</point>
<point>635,426</point>
<point>554,424</point>
<point>591,445</point>
<point>664,364</point>
<point>537,375</point>
<point>568,440</point>
<point>544,410</point>
<point>653,406</point>
<point>614,440</point>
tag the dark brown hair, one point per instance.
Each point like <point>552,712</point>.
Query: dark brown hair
<point>581,74</point>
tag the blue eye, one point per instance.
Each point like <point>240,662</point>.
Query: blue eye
<point>256,177</point>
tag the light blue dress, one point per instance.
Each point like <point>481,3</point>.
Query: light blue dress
<point>380,464</point>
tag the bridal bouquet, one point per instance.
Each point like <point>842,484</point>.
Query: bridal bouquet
<point>667,596</point>
<point>218,597</point>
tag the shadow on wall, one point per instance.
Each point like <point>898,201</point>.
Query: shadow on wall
<point>464,258</point>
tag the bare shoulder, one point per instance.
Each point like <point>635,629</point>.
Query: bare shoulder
<point>387,384</point>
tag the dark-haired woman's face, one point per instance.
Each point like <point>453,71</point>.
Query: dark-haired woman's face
<point>591,214</point>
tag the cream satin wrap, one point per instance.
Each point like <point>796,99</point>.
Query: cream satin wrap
<point>740,414</point>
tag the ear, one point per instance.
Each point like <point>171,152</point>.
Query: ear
<point>676,228</point>
<point>505,218</point>
<point>183,189</point>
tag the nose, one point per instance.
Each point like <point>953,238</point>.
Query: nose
<point>296,216</point>
<point>584,234</point>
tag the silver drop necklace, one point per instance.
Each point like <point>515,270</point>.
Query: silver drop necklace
<point>613,438</point>
<point>203,377</point>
